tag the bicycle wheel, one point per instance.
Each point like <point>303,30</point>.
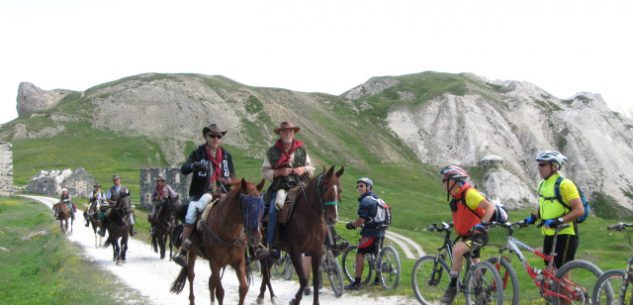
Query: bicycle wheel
<point>611,289</point>
<point>483,285</point>
<point>331,266</point>
<point>430,279</point>
<point>509,279</point>
<point>579,287</point>
<point>389,269</point>
<point>349,266</point>
<point>283,267</point>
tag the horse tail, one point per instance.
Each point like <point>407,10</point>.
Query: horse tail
<point>179,283</point>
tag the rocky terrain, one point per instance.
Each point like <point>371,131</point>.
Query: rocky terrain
<point>494,128</point>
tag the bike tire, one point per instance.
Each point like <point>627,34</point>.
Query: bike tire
<point>390,268</point>
<point>509,279</point>
<point>349,266</point>
<point>334,274</point>
<point>609,289</point>
<point>483,285</point>
<point>582,286</point>
<point>430,279</point>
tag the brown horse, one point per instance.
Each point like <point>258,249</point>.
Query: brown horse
<point>223,242</point>
<point>91,214</point>
<point>63,213</point>
<point>306,231</point>
<point>164,222</point>
<point>118,226</point>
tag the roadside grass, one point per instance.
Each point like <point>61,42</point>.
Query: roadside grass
<point>46,269</point>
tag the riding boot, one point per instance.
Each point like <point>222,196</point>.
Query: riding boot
<point>181,258</point>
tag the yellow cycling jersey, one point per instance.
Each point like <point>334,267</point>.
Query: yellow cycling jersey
<point>550,208</point>
<point>473,198</point>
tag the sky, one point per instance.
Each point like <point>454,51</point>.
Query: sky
<point>327,46</point>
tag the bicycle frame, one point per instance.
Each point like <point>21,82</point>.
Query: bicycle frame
<point>549,273</point>
<point>447,249</point>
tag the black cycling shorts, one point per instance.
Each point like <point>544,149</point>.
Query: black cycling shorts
<point>566,246</point>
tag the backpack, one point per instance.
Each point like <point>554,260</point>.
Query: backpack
<point>500,214</point>
<point>383,213</point>
<point>559,198</point>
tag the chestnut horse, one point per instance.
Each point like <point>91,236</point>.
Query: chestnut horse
<point>63,213</point>
<point>306,231</point>
<point>223,242</point>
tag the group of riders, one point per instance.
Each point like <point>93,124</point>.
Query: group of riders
<point>288,166</point>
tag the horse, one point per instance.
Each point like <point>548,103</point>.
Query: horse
<point>63,213</point>
<point>91,214</point>
<point>163,223</point>
<point>223,240</point>
<point>314,209</point>
<point>118,226</point>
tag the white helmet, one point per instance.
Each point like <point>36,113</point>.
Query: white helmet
<point>366,181</point>
<point>64,190</point>
<point>552,156</point>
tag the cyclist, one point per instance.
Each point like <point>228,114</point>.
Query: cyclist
<point>555,213</point>
<point>372,232</point>
<point>470,211</point>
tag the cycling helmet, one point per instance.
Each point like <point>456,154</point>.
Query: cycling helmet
<point>453,172</point>
<point>551,156</point>
<point>366,181</point>
<point>64,190</point>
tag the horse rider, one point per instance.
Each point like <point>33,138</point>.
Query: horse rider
<point>65,198</point>
<point>213,172</point>
<point>95,199</point>
<point>161,195</point>
<point>287,164</point>
<point>112,196</point>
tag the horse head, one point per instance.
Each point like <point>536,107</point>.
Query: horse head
<point>329,190</point>
<point>252,206</point>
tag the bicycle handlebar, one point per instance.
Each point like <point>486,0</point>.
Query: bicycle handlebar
<point>439,228</point>
<point>619,226</point>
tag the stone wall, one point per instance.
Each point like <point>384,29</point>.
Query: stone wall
<point>173,178</point>
<point>6,167</point>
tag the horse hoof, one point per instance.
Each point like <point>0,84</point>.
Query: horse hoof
<point>275,301</point>
<point>260,301</point>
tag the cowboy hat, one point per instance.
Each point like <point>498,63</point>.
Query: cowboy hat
<point>115,177</point>
<point>213,128</point>
<point>160,177</point>
<point>286,125</point>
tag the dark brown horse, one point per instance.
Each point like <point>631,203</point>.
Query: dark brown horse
<point>163,223</point>
<point>63,213</point>
<point>223,242</point>
<point>306,231</point>
<point>118,226</point>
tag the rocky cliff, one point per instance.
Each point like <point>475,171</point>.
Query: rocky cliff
<point>494,128</point>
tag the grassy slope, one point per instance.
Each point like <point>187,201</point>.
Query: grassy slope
<point>45,270</point>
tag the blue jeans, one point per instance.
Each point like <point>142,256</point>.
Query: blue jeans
<point>272,220</point>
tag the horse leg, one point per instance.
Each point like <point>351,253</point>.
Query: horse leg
<point>124,240</point>
<point>240,271</point>
<point>162,240</point>
<point>316,279</point>
<point>215,283</point>
<point>265,278</point>
<point>295,257</point>
<point>191,275</point>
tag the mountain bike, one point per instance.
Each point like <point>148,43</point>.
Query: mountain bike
<point>385,262</point>
<point>283,267</point>
<point>613,286</point>
<point>430,276</point>
<point>552,284</point>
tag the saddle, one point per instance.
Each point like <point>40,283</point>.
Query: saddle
<point>205,214</point>
<point>286,212</point>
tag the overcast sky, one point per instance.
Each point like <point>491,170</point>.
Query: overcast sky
<point>327,46</point>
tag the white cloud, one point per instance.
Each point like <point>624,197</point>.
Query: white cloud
<point>327,46</point>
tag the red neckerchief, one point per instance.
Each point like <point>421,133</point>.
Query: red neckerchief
<point>284,159</point>
<point>215,161</point>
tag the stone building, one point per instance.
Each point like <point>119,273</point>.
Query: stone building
<point>173,177</point>
<point>6,167</point>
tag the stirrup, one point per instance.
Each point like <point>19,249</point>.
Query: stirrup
<point>181,259</point>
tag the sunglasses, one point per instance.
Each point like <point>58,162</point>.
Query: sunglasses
<point>543,164</point>
<point>360,185</point>
<point>214,136</point>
